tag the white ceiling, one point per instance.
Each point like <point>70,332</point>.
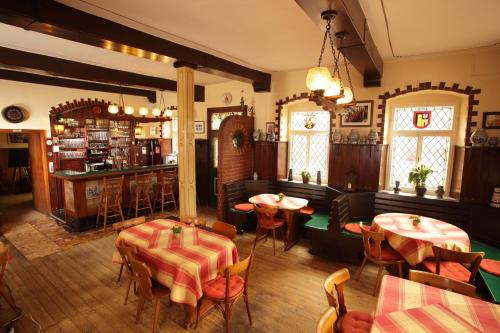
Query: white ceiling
<point>428,26</point>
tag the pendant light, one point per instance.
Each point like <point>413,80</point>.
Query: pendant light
<point>113,108</point>
<point>143,111</point>
<point>129,110</point>
<point>169,113</point>
<point>348,99</point>
<point>156,112</point>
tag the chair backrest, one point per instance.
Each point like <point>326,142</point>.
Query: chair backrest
<point>470,258</point>
<point>199,222</point>
<point>143,275</point>
<point>442,282</point>
<point>168,177</point>
<point>224,229</point>
<point>236,269</point>
<point>4,257</point>
<point>326,323</point>
<point>144,183</point>
<point>336,280</point>
<point>113,188</point>
<point>372,239</point>
<point>265,215</point>
<point>120,226</point>
<point>340,212</point>
<point>127,253</point>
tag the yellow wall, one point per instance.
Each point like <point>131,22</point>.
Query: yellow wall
<point>4,143</point>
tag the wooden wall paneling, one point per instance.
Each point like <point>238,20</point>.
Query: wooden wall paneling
<point>202,174</point>
<point>457,172</point>
<point>480,174</point>
<point>282,161</point>
<point>265,159</point>
<point>39,172</point>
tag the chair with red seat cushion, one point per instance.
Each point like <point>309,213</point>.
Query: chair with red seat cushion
<point>491,266</point>
<point>379,253</point>
<point>306,211</point>
<point>266,222</point>
<point>226,288</point>
<point>244,207</point>
<point>449,263</point>
<point>352,321</point>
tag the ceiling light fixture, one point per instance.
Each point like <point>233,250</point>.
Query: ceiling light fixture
<point>143,111</point>
<point>129,110</point>
<point>328,88</point>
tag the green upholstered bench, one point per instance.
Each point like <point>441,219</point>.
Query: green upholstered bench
<point>318,221</point>
<point>346,233</point>
<point>491,281</point>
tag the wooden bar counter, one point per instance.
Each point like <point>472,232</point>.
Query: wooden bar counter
<point>80,191</point>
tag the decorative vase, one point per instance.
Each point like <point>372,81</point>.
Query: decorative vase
<point>344,140</point>
<point>256,135</point>
<point>373,137</point>
<point>318,178</point>
<point>353,137</point>
<point>439,192</point>
<point>255,176</point>
<point>495,198</point>
<point>420,190</point>
<point>337,136</point>
<point>363,140</point>
<point>493,141</point>
<point>290,174</point>
<point>479,137</point>
<point>397,189</point>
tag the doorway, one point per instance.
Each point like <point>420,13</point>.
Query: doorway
<point>24,170</point>
<point>215,116</point>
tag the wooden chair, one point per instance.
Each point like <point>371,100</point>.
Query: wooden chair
<point>199,222</point>
<point>442,282</point>
<point>362,321</point>
<point>140,198</point>
<point>148,289</point>
<point>165,193</point>
<point>266,222</point>
<point>450,263</point>
<point>120,226</point>
<point>110,200</point>
<point>127,253</point>
<point>380,254</point>
<point>226,288</point>
<point>224,229</point>
<point>5,291</point>
<point>326,323</point>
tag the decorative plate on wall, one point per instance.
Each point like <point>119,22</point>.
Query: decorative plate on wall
<point>14,114</point>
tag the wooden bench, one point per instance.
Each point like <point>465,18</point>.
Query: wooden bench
<point>489,282</point>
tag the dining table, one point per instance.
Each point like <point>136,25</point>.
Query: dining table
<point>288,206</point>
<point>414,240</point>
<point>408,306</point>
<point>184,264</point>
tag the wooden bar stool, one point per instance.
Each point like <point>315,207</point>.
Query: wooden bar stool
<point>110,204</point>
<point>165,193</point>
<point>140,198</point>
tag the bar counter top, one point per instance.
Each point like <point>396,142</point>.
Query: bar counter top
<point>78,175</point>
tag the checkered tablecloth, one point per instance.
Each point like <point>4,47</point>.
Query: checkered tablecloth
<point>398,296</point>
<point>414,242</point>
<point>182,269</point>
<point>289,203</point>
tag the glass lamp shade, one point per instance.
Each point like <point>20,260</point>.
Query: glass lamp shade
<point>59,129</point>
<point>129,110</point>
<point>137,130</point>
<point>113,108</point>
<point>156,112</point>
<point>348,96</point>
<point>318,78</point>
<point>169,113</point>
<point>333,89</point>
<point>143,111</point>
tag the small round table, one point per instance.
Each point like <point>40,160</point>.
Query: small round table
<point>288,206</point>
<point>414,242</point>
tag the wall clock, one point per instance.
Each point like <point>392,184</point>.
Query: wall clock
<point>14,114</point>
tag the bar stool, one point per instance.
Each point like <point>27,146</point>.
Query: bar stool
<point>165,193</point>
<point>140,198</point>
<point>110,204</point>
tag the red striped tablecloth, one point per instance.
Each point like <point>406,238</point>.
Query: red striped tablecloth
<point>397,295</point>
<point>414,242</point>
<point>289,203</point>
<point>182,269</point>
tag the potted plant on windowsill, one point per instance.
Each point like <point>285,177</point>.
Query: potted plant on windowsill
<point>305,177</point>
<point>417,176</point>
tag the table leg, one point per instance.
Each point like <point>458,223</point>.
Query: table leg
<point>291,234</point>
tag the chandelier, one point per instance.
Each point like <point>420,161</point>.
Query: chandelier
<point>328,88</point>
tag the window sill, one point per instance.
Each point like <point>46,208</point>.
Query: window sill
<point>430,197</point>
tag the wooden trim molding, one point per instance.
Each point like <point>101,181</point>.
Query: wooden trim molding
<point>471,92</point>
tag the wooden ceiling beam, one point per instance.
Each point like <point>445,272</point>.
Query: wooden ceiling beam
<point>359,47</point>
<point>21,60</point>
<point>55,19</point>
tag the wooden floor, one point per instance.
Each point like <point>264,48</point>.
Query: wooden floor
<point>76,291</point>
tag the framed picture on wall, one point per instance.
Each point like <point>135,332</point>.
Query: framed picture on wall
<point>17,138</point>
<point>491,120</point>
<point>270,128</point>
<point>359,115</point>
<point>199,127</point>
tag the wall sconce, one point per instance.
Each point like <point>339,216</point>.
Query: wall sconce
<point>138,130</point>
<point>59,129</point>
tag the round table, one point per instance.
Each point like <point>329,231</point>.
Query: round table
<point>414,242</point>
<point>288,206</point>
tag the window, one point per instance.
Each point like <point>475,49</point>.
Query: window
<point>309,146</point>
<point>421,135</point>
<point>170,130</point>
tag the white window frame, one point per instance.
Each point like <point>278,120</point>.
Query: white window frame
<point>419,134</point>
<point>308,134</point>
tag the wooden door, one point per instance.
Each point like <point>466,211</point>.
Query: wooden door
<point>39,172</point>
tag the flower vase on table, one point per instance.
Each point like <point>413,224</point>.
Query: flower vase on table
<point>415,219</point>
<point>280,196</point>
<point>177,231</point>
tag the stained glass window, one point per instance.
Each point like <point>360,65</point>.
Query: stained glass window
<point>217,118</point>
<point>440,118</point>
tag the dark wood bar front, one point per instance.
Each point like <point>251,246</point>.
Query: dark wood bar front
<point>80,193</point>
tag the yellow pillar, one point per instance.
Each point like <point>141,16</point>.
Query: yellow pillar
<point>187,168</point>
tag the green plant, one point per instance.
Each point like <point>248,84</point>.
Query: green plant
<point>418,175</point>
<point>305,174</point>
<point>177,229</point>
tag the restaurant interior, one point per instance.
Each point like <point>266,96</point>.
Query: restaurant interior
<point>249,166</point>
